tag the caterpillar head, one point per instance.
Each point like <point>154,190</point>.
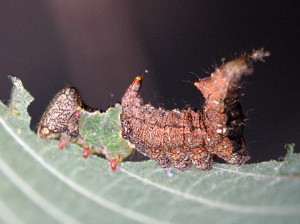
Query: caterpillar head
<point>57,116</point>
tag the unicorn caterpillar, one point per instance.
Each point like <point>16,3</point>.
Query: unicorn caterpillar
<point>179,139</point>
<point>184,139</point>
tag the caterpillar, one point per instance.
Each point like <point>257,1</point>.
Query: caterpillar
<point>192,138</point>
<point>174,139</point>
<point>66,118</point>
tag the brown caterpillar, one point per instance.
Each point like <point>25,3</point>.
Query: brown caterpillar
<point>192,138</point>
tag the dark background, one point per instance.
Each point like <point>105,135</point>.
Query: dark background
<point>100,46</point>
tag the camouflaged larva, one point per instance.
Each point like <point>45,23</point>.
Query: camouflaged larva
<point>56,118</point>
<point>192,138</point>
<point>103,132</point>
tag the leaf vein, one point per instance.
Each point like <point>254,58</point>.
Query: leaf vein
<point>78,188</point>
<point>277,210</point>
<point>296,176</point>
<point>34,196</point>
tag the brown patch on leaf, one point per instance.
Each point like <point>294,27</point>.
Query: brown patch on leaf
<point>189,138</point>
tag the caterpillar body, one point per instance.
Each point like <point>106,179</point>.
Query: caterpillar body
<point>192,138</point>
<point>179,139</point>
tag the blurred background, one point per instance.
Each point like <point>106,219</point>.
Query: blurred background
<point>99,46</point>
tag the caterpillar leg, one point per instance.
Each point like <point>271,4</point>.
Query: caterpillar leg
<point>63,141</point>
<point>113,164</point>
<point>201,158</point>
<point>169,158</point>
<point>237,158</point>
<point>113,158</point>
<point>179,159</point>
<point>234,154</point>
<point>86,151</point>
<point>160,156</point>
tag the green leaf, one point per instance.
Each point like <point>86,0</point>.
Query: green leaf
<point>41,184</point>
<point>103,131</point>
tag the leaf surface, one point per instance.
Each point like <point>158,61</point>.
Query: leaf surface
<point>41,184</point>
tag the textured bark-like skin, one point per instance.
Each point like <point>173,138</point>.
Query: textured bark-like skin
<point>188,138</point>
<point>55,119</point>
